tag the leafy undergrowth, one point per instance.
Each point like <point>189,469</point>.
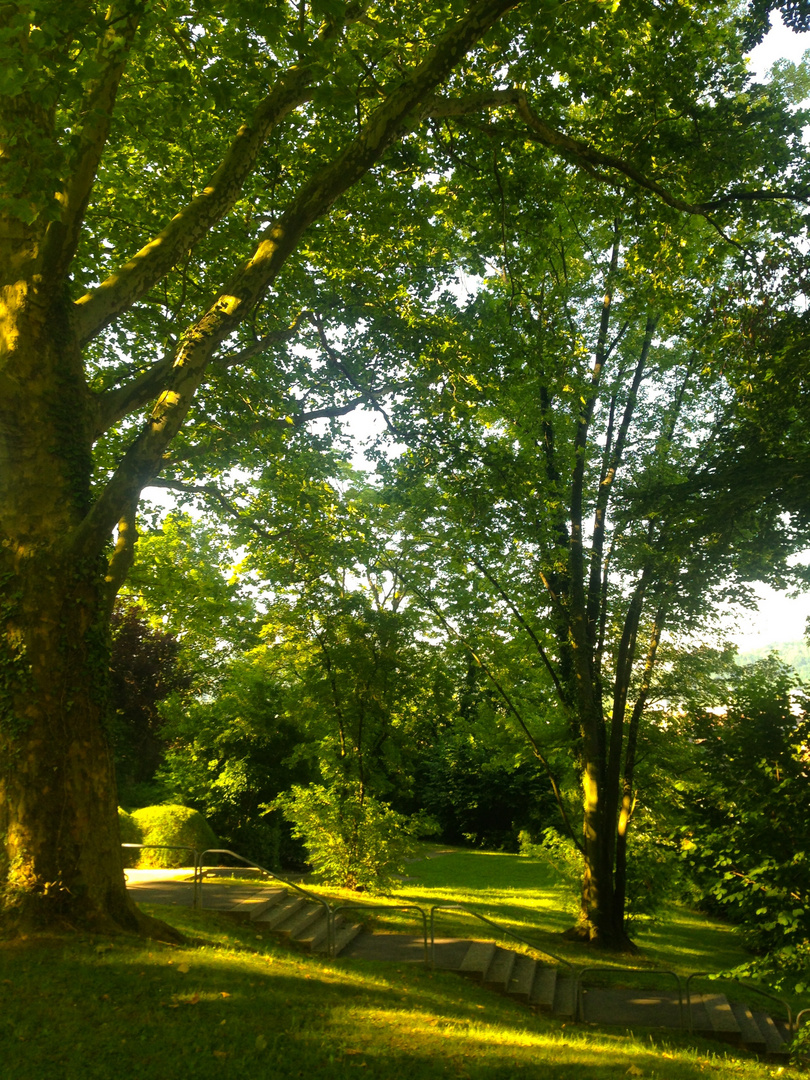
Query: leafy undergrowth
<point>235,1004</point>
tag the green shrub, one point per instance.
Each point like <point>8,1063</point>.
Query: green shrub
<point>174,825</point>
<point>352,840</point>
<point>557,850</point>
<point>130,834</point>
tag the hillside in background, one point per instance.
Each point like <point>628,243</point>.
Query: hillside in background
<point>795,653</point>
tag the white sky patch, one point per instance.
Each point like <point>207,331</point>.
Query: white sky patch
<point>780,44</point>
<point>779,620</point>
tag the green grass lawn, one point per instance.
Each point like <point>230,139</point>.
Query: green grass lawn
<point>234,1004</point>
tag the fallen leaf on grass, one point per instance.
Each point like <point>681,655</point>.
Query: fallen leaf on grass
<point>633,1071</point>
<point>221,1053</point>
<point>224,993</point>
<point>183,969</point>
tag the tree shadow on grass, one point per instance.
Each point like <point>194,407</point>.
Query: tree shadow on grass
<point>93,1009</point>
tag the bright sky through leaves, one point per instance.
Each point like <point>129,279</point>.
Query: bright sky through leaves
<point>780,618</point>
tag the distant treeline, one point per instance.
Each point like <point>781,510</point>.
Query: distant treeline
<point>795,653</point>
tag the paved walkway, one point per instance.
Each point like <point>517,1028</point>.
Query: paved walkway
<point>176,887</point>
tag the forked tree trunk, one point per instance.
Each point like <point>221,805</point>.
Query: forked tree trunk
<point>602,901</point>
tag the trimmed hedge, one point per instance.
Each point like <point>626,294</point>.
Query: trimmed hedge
<point>173,825</point>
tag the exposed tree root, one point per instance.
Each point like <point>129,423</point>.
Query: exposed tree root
<point>587,934</point>
<point>35,916</point>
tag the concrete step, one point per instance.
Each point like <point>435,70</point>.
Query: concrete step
<point>300,922</point>
<point>345,933</point>
<point>499,973</point>
<point>565,997</point>
<point>520,985</point>
<point>477,960</point>
<point>776,1046</point>
<point>314,932</point>
<point>279,914</point>
<point>718,1021</point>
<point>751,1036</point>
<point>253,907</point>
<point>544,988</point>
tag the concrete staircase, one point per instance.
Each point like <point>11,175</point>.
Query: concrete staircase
<point>554,991</point>
<point>294,919</point>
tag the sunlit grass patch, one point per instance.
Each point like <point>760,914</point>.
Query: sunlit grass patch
<point>102,1008</point>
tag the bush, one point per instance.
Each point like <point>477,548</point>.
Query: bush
<point>130,834</point>
<point>561,854</point>
<point>173,825</point>
<point>653,868</point>
<point>352,840</point>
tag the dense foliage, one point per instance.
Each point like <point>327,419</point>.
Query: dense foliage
<point>550,246</point>
<point>748,836</point>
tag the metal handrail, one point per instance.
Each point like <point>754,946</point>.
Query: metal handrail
<point>298,888</point>
<point>483,918</point>
<point>388,907</point>
<point>169,847</point>
<point>739,982</point>
<point>579,1006</point>
<point>797,1023</point>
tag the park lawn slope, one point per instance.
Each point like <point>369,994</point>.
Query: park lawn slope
<point>534,899</point>
<point>235,1004</point>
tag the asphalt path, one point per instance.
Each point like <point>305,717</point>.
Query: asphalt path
<point>175,887</point>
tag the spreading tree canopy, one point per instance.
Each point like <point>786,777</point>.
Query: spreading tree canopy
<point>186,186</point>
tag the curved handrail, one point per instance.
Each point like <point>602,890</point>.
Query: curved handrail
<point>388,907</point>
<point>797,1023</point>
<point>579,1004</point>
<point>498,926</point>
<point>330,927</point>
<point>167,847</point>
<point>746,986</point>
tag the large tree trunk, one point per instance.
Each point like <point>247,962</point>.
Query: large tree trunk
<point>601,916</point>
<point>60,855</point>
<point>61,851</point>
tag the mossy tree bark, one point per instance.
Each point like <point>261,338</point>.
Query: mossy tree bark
<point>61,856</point>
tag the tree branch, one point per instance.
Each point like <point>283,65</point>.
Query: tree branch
<point>389,121</point>
<point>513,709</point>
<point>583,154</point>
<point>211,491</point>
<point>123,555</point>
<point>114,405</point>
<point>368,397</point>
<point>519,616</point>
<point>62,237</point>
<point>96,309</point>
